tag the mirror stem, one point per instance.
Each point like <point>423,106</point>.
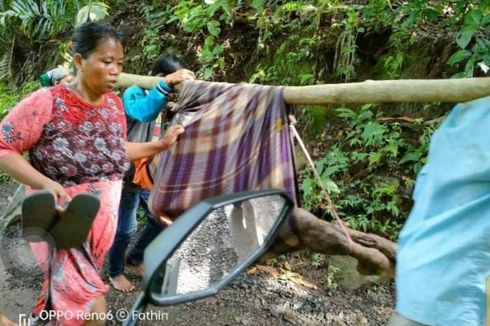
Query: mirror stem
<point>138,307</point>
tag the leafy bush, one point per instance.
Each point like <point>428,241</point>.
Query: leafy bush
<point>10,96</point>
<point>290,32</point>
<point>473,42</point>
<point>370,168</point>
<point>28,27</point>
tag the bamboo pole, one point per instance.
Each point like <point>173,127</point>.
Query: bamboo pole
<point>370,91</point>
<point>146,82</point>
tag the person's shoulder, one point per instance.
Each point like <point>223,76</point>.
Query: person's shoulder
<point>41,93</point>
<point>61,91</point>
<point>40,99</point>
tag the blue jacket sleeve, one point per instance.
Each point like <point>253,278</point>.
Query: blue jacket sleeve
<point>143,106</point>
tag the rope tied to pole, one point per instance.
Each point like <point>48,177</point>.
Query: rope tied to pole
<point>330,205</point>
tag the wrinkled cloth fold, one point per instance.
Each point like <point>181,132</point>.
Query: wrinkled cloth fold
<point>236,138</point>
<point>444,248</point>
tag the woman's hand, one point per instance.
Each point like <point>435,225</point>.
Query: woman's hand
<point>15,165</point>
<point>164,220</point>
<point>171,136</point>
<point>57,190</point>
<point>179,76</point>
<point>140,150</point>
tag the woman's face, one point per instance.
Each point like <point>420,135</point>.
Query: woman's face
<point>99,72</point>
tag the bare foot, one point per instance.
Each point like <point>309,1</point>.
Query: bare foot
<point>373,262</point>
<point>121,283</point>
<point>6,322</point>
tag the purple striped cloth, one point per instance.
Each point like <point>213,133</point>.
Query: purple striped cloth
<point>236,138</point>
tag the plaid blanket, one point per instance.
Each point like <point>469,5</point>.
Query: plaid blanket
<point>236,138</point>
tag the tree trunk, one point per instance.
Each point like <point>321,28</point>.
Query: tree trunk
<point>370,91</point>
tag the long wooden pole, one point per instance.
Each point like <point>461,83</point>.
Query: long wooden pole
<point>370,91</point>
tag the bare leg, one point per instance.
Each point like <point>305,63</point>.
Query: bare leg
<point>375,255</point>
<point>99,309</point>
<point>4,321</point>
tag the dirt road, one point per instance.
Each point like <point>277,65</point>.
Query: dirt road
<point>298,290</point>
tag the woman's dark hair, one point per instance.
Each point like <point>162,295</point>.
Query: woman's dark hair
<point>89,35</point>
<point>167,63</point>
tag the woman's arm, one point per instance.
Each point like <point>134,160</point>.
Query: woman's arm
<point>21,130</point>
<point>140,150</point>
<point>141,106</point>
<point>18,168</point>
<point>145,107</point>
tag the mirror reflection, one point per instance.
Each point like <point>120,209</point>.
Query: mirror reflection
<point>226,238</point>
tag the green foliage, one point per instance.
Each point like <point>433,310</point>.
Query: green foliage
<point>318,260</point>
<point>346,45</point>
<point>36,25</point>
<point>291,37</point>
<point>469,21</point>
<point>203,21</point>
<point>473,42</point>
<point>307,42</point>
<point>369,170</point>
<point>393,62</point>
<point>7,99</point>
<point>93,11</point>
<point>39,20</point>
<point>316,117</point>
<point>333,275</point>
<point>278,261</point>
<point>10,96</point>
<point>5,178</point>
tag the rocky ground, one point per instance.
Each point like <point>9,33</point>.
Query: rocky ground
<point>301,289</point>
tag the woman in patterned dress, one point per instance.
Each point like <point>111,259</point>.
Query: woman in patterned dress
<point>75,136</point>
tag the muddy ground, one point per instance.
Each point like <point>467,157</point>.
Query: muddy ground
<point>301,289</point>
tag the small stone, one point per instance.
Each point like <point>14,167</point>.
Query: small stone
<point>298,304</point>
<point>274,312</point>
<point>307,308</point>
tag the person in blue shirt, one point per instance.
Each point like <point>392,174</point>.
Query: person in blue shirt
<point>142,108</point>
<point>443,258</point>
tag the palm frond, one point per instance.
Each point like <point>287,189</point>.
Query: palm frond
<point>40,20</point>
<point>6,63</point>
<point>93,11</point>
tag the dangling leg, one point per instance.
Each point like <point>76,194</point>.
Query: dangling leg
<point>375,254</point>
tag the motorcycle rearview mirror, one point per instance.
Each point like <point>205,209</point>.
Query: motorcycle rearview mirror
<point>208,246</point>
